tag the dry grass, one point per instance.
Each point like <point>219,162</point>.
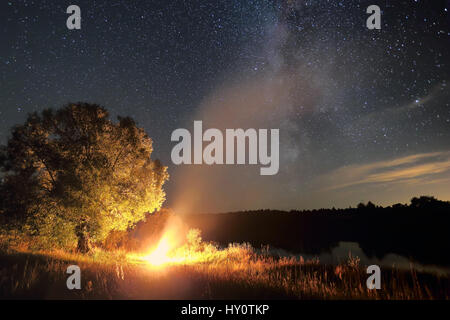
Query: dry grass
<point>237,272</point>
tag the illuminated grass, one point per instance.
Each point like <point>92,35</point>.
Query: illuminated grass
<point>233,273</point>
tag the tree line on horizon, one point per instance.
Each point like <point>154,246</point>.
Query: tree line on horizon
<point>418,230</point>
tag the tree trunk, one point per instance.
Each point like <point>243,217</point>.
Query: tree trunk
<point>84,245</point>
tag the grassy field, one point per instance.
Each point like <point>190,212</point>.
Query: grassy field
<point>237,272</point>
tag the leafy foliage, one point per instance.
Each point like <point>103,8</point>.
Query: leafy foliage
<point>74,166</point>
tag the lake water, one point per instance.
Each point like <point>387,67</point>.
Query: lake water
<point>341,253</point>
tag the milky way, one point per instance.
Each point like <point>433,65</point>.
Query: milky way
<point>363,114</point>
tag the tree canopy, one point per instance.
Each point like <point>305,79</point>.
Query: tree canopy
<point>74,170</point>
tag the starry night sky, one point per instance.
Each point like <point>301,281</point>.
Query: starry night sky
<point>363,114</point>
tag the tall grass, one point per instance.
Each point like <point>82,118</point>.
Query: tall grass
<point>236,272</point>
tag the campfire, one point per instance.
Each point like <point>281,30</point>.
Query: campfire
<point>163,253</point>
<point>172,248</point>
<point>180,245</point>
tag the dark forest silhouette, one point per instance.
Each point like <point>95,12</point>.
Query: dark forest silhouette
<point>418,231</point>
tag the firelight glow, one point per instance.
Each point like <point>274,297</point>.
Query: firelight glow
<point>162,253</point>
<point>175,247</point>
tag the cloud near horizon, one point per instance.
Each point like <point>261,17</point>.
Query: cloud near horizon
<point>413,175</point>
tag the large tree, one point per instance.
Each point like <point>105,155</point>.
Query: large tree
<point>75,171</point>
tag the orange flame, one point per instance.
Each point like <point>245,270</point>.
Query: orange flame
<point>160,255</point>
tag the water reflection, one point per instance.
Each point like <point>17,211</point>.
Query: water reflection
<point>340,254</point>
